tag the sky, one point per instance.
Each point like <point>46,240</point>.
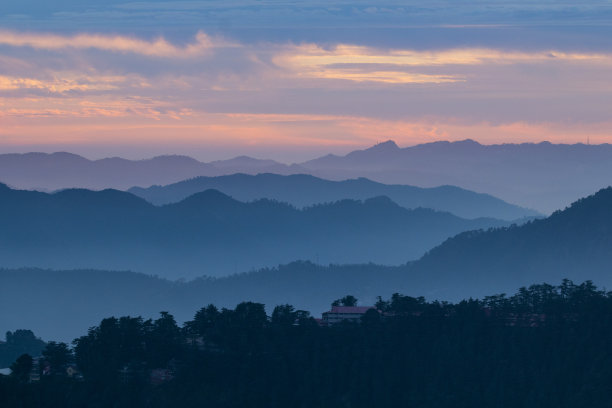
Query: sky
<point>292,80</point>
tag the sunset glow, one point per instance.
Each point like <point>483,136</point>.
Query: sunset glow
<point>94,88</point>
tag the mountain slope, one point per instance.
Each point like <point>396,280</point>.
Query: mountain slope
<point>210,233</point>
<point>575,243</point>
<point>304,190</point>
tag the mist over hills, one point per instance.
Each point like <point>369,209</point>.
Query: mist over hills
<point>574,243</point>
<point>540,176</point>
<point>209,233</point>
<point>55,171</point>
<point>61,305</point>
<point>304,190</point>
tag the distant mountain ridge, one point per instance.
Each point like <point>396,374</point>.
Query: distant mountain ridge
<point>304,190</point>
<point>541,176</point>
<point>209,233</point>
<point>56,171</point>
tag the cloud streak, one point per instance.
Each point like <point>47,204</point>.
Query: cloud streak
<point>63,84</point>
<point>396,66</point>
<point>159,47</point>
<point>309,55</point>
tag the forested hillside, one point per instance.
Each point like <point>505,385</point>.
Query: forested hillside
<point>546,346</point>
<point>575,243</point>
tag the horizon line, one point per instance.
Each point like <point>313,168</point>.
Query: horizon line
<point>264,158</point>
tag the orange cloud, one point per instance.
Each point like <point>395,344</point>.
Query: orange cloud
<point>367,64</point>
<point>62,83</point>
<point>389,77</point>
<point>113,43</point>
<point>310,55</point>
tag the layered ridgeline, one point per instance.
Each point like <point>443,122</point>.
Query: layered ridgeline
<point>210,233</point>
<point>574,243</point>
<point>541,176</point>
<point>304,190</point>
<point>54,171</point>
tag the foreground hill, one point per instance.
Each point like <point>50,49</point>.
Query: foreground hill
<point>210,233</point>
<point>546,346</point>
<point>305,190</point>
<point>575,243</point>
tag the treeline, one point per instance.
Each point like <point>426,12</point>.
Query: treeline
<point>545,346</point>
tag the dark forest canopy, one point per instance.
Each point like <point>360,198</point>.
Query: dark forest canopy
<point>545,346</point>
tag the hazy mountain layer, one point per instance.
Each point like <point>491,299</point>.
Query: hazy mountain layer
<point>210,233</point>
<point>574,243</point>
<point>62,170</point>
<point>543,176</point>
<point>305,190</point>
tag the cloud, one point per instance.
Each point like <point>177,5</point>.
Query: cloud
<point>396,66</point>
<point>62,84</point>
<point>389,77</point>
<point>160,47</point>
<point>267,93</point>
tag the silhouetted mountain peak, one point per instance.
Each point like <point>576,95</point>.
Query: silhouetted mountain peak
<point>381,201</point>
<point>389,145</point>
<point>68,155</point>
<point>466,142</point>
<point>209,199</point>
<point>174,158</point>
<point>244,161</point>
<point>60,157</point>
<point>379,151</point>
<point>105,197</point>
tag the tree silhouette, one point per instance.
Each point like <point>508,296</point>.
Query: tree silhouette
<point>22,367</point>
<point>58,355</point>
<point>348,300</point>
